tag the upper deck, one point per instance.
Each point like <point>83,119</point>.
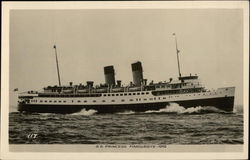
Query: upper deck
<point>187,84</point>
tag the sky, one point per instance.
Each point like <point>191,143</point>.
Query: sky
<point>210,43</point>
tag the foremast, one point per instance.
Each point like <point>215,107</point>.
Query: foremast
<point>177,53</point>
<point>57,66</point>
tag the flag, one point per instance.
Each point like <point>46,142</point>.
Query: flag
<point>16,89</point>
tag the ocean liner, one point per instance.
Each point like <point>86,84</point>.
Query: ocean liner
<point>139,96</point>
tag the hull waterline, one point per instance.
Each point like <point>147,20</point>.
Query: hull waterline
<point>222,103</point>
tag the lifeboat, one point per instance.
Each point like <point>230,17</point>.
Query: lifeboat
<point>118,89</point>
<point>67,91</point>
<point>100,90</point>
<point>83,90</point>
<point>134,89</point>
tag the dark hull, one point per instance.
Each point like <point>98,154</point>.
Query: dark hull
<point>224,103</point>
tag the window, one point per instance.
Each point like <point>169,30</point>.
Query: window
<point>117,94</point>
<point>78,101</point>
<point>154,98</point>
<point>125,94</point>
<point>151,99</point>
<point>129,94</point>
<point>142,93</point>
<point>60,101</point>
<point>54,101</point>
<point>41,101</point>
<point>113,94</point>
<point>103,101</point>
<point>64,101</point>
<point>138,93</point>
<point>50,101</point>
<point>113,101</point>
<point>104,95</point>
<point>134,93</point>
<point>159,97</point>
<point>121,94</point>
<point>108,94</point>
<point>164,97</point>
<point>94,100</point>
<point>122,100</point>
<point>131,100</point>
<point>147,92</point>
<point>145,99</point>
<point>72,101</point>
<point>85,101</point>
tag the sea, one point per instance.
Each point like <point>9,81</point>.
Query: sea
<point>171,125</point>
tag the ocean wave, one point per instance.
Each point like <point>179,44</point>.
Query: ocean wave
<point>85,112</point>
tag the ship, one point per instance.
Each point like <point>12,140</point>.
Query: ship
<point>138,96</point>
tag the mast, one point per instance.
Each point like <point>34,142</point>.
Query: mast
<point>177,52</point>
<point>58,73</point>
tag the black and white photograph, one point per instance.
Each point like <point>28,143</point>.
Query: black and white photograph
<point>127,79</point>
